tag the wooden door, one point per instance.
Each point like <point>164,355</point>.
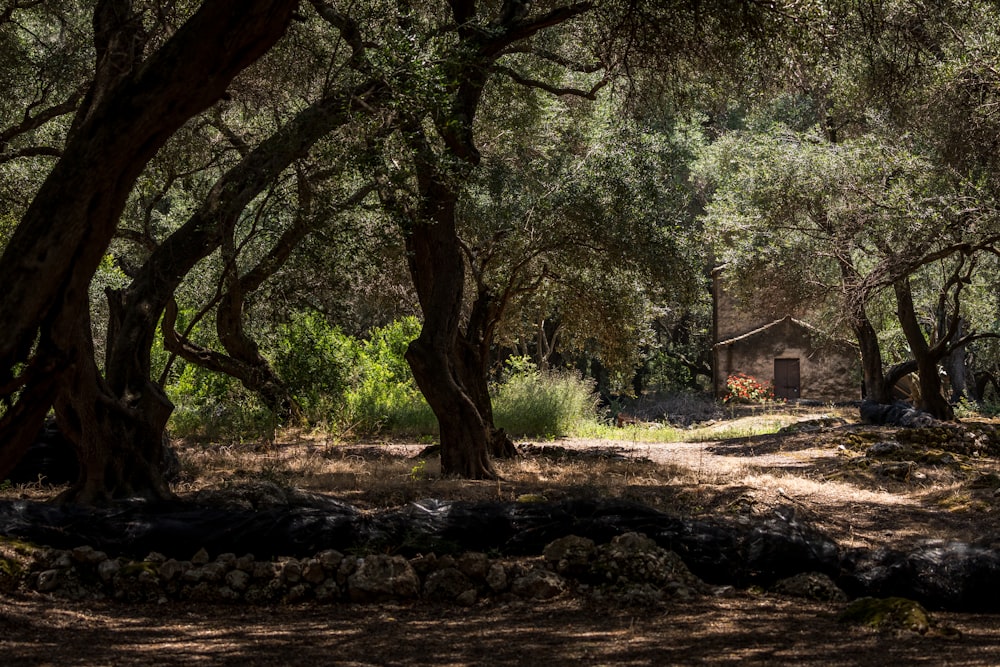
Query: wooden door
<point>786,378</point>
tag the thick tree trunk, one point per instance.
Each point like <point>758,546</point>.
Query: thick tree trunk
<point>875,388</point>
<point>118,441</point>
<point>955,367</point>
<point>932,400</point>
<point>465,438</point>
<point>131,110</point>
<point>475,373</point>
<point>436,356</point>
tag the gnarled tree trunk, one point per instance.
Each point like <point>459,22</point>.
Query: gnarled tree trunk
<point>874,386</point>
<point>932,400</point>
<point>117,432</point>
<point>438,271</point>
<point>131,110</point>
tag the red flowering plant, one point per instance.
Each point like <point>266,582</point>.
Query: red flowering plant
<point>743,388</point>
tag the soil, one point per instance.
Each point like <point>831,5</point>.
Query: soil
<point>819,468</point>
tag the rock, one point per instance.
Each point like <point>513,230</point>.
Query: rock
<point>348,566</point>
<point>290,571</point>
<point>570,555</point>
<point>312,571</point>
<point>539,585</point>
<point>887,614</point>
<point>327,591</point>
<point>213,572</point>
<point>382,577</point>
<point>330,559</point>
<point>83,554</point>
<point>447,584</point>
<point>468,598</point>
<point>884,449</point>
<point>245,563</point>
<point>812,586</point>
<point>900,470</point>
<point>265,570</point>
<point>238,580</point>
<point>48,580</point>
<point>474,565</point>
<point>297,593</point>
<point>633,558</point>
<point>171,569</point>
<point>496,578</point>
<point>227,594</point>
<point>201,557</point>
<point>107,569</point>
<point>424,564</point>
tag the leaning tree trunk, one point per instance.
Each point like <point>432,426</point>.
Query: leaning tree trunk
<point>932,400</point>
<point>875,388</point>
<point>956,368</point>
<point>131,110</point>
<point>474,351</point>
<point>474,372</point>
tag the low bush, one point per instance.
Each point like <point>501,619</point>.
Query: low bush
<point>531,402</point>
<point>215,407</point>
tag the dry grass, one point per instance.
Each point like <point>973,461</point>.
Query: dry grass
<point>751,473</point>
<point>820,472</point>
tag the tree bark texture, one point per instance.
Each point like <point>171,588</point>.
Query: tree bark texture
<point>118,440</point>
<point>875,386</point>
<point>438,271</point>
<point>932,399</point>
<point>128,114</point>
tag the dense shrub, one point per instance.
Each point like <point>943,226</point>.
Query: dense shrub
<point>366,387</point>
<point>532,402</point>
<point>383,395</point>
<point>316,361</point>
<point>216,407</point>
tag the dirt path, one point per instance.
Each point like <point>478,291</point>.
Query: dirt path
<point>743,630</point>
<point>752,476</point>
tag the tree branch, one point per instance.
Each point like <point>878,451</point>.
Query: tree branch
<point>555,90</point>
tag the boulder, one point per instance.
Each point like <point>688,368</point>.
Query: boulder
<point>382,577</point>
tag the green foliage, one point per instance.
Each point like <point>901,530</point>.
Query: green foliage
<point>364,386</point>
<point>537,403</point>
<point>315,360</point>
<point>215,407</point>
<point>383,395</point>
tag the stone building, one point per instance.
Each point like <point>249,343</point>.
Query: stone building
<point>782,348</point>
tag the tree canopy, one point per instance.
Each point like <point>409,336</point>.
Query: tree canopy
<point>197,185</point>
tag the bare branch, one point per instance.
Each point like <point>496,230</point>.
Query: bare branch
<point>347,27</point>
<point>33,122</point>
<point>523,29</point>
<point>555,90</point>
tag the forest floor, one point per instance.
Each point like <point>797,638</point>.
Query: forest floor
<point>816,463</point>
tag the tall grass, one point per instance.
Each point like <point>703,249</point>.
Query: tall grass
<point>531,402</point>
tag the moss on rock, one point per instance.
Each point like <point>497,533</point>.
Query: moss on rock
<point>887,614</point>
